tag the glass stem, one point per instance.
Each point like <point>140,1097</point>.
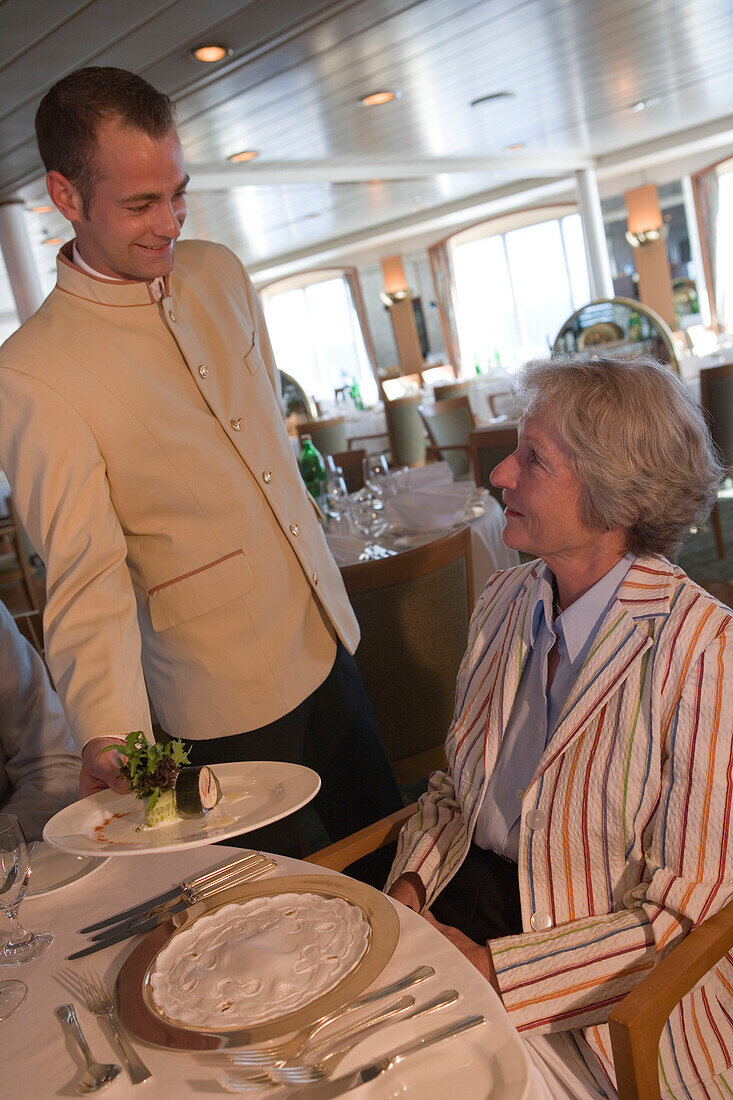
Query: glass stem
<point>18,936</point>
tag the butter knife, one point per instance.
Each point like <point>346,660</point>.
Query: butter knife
<point>324,1090</point>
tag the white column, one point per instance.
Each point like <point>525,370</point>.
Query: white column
<point>693,235</point>
<point>596,248</point>
<point>18,255</point>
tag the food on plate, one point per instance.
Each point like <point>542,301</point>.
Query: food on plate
<point>169,789</point>
<point>197,791</point>
<point>256,960</point>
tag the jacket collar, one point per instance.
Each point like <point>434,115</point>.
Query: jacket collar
<point>70,279</point>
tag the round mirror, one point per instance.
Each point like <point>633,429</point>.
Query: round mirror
<point>619,328</point>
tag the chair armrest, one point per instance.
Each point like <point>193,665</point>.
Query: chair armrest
<point>346,851</point>
<point>637,1021</point>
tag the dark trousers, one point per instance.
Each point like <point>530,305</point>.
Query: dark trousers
<point>332,731</point>
<point>482,898</point>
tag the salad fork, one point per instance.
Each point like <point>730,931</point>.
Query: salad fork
<point>267,1056</point>
<point>99,1002</point>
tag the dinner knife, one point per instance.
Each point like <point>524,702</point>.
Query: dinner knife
<point>119,934</point>
<point>172,894</point>
<point>324,1090</point>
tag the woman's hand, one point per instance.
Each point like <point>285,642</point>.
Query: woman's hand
<point>409,890</point>
<point>474,952</point>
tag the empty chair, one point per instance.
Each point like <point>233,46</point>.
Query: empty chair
<point>488,447</point>
<point>328,435</point>
<point>400,386</point>
<point>504,403</point>
<point>408,443</point>
<point>459,388</point>
<point>449,424</point>
<point>351,466</point>
<point>716,398</point>
<point>435,375</point>
<point>413,610</point>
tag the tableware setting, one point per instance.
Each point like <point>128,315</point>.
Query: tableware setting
<point>52,869</point>
<point>255,794</point>
<point>97,1074</point>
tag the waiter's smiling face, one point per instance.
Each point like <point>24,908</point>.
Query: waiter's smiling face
<point>138,203</point>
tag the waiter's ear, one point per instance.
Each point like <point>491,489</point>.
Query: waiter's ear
<point>64,196</point>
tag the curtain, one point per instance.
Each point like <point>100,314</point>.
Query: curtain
<point>705,189</point>
<point>445,293</point>
<point>352,281</point>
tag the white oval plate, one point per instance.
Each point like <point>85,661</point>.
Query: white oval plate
<point>254,793</point>
<point>52,870</point>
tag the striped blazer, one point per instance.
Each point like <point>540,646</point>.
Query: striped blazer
<point>624,836</point>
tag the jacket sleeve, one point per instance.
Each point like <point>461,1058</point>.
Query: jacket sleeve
<point>41,763</point>
<point>62,496</point>
<point>572,975</point>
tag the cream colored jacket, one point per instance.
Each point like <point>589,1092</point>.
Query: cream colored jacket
<point>149,462</point>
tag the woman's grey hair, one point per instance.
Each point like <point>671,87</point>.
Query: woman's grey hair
<point>637,442</point>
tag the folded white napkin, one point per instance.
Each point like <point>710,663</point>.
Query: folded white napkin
<point>430,508</point>
<point>345,548</point>
<point>433,473</point>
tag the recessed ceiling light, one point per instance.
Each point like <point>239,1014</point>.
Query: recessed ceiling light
<point>53,240</point>
<point>245,155</point>
<point>642,104</point>
<point>491,96</point>
<point>515,147</point>
<point>209,53</point>
<point>41,209</point>
<point>374,99</point>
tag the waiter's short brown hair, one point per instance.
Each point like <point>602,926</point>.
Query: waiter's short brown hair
<point>70,112</point>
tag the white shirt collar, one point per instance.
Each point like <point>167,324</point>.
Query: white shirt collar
<point>81,262</point>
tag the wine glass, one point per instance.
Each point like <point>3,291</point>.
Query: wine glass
<point>366,511</point>
<point>375,469</point>
<point>15,873</point>
<point>337,495</point>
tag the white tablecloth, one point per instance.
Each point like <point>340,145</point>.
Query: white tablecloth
<point>39,1062</point>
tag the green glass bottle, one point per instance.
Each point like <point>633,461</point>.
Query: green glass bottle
<point>312,469</point>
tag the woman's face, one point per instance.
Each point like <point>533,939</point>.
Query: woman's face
<point>541,495</point>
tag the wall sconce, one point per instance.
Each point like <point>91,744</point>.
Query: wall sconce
<point>392,297</point>
<point>647,236</point>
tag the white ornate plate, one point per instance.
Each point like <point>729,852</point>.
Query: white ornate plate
<point>53,870</point>
<point>133,987</point>
<point>254,794</point>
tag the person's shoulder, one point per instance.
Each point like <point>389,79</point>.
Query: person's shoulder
<point>21,349</point>
<point>692,615</point>
<point>195,257</point>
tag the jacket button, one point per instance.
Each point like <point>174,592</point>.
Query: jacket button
<point>315,579</point>
<point>203,370</point>
<point>294,529</point>
<point>536,819</point>
<point>172,316</point>
<point>266,477</point>
<point>540,922</point>
<point>236,423</point>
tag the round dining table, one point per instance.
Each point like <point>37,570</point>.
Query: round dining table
<point>488,1063</point>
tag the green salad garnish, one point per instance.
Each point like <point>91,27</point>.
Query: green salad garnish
<point>151,767</point>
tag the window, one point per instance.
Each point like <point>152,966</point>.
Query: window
<point>317,338</point>
<point>515,289</point>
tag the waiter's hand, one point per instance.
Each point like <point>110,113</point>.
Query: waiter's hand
<point>99,768</point>
<point>475,953</point>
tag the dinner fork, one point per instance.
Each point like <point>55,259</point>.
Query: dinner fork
<point>99,1002</point>
<point>264,1056</point>
<point>318,1063</point>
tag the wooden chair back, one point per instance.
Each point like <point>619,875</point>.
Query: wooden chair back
<point>413,610</point>
<point>716,398</point>
<point>328,435</point>
<point>636,1023</point>
<point>351,464</point>
<point>488,447</point>
<point>449,424</point>
<point>344,852</point>
<point>406,430</point>
<point>446,390</point>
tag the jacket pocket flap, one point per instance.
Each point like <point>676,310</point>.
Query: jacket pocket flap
<point>203,589</point>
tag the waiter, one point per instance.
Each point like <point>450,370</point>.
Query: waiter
<point>143,437</point>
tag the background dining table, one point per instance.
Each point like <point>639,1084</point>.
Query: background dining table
<point>488,1063</point>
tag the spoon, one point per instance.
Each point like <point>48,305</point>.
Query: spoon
<point>97,1074</point>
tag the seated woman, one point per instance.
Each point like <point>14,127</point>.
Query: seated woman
<point>583,825</point>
